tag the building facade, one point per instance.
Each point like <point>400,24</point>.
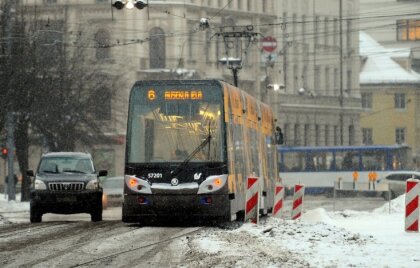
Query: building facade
<point>319,66</point>
<point>313,59</point>
<point>390,98</point>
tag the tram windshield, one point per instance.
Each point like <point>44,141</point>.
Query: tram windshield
<point>174,124</point>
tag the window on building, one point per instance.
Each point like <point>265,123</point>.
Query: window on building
<point>399,100</point>
<point>303,33</point>
<point>352,135</point>
<point>264,5</point>
<point>220,3</point>
<point>294,27</point>
<point>367,100</point>
<point>335,32</point>
<point>305,76</point>
<point>157,48</point>
<point>207,47</point>
<point>295,77</point>
<point>336,135</point>
<point>327,80</point>
<point>317,78</point>
<point>400,135</point>
<point>49,1</point>
<point>230,4</point>
<point>316,30</point>
<point>367,134</point>
<point>327,135</point>
<point>103,111</point>
<point>102,39</point>
<point>102,1</point>
<point>336,79</point>
<point>408,30</point>
<point>296,135</point>
<point>240,6</point>
<point>317,135</point>
<point>49,43</point>
<point>349,34</point>
<point>349,82</point>
<point>306,135</point>
<point>249,5</point>
<point>326,32</point>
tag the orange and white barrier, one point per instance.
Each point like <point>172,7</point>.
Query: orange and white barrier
<point>412,205</point>
<point>278,200</point>
<point>298,201</point>
<point>252,204</point>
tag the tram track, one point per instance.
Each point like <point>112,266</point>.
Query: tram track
<point>150,252</point>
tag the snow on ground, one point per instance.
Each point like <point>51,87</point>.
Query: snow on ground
<point>319,239</point>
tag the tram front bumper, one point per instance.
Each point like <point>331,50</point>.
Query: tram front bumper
<point>137,207</point>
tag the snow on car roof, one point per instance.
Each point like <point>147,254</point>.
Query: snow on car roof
<point>55,154</point>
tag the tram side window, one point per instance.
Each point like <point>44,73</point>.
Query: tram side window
<point>374,161</point>
<point>307,161</point>
<point>319,161</point>
<point>293,162</point>
<point>347,161</point>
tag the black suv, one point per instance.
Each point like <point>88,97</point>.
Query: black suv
<point>66,183</point>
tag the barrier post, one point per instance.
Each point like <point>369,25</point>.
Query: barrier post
<point>252,202</point>
<point>298,201</point>
<point>412,205</point>
<point>278,200</point>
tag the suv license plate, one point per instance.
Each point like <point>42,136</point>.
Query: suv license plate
<point>66,199</point>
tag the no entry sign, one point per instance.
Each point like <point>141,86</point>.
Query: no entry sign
<point>269,43</point>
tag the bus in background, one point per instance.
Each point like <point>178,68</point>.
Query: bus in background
<point>191,146</point>
<point>319,167</point>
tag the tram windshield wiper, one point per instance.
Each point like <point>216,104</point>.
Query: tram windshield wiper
<point>191,155</point>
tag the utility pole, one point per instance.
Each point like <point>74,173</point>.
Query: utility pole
<point>9,117</point>
<point>341,75</point>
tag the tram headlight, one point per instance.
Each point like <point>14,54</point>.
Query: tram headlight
<point>137,185</point>
<point>212,184</point>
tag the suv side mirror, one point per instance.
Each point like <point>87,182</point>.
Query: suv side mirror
<point>103,173</point>
<point>279,136</point>
<point>30,173</point>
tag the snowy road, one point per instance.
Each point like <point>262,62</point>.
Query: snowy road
<point>62,241</point>
<point>74,241</point>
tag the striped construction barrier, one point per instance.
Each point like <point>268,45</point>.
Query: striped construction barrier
<point>252,203</point>
<point>412,192</point>
<point>278,200</point>
<point>298,201</point>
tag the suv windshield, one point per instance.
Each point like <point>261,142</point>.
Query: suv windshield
<point>66,165</point>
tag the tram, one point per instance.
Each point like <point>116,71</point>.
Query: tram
<point>190,146</point>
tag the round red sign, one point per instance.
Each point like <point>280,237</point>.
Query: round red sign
<point>269,43</point>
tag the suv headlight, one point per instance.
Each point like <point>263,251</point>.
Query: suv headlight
<point>40,185</point>
<point>92,184</point>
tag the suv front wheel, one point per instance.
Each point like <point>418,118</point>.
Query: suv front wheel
<point>96,214</point>
<point>35,215</point>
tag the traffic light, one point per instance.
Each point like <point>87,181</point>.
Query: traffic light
<point>119,4</point>
<point>140,4</point>
<point>4,152</point>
